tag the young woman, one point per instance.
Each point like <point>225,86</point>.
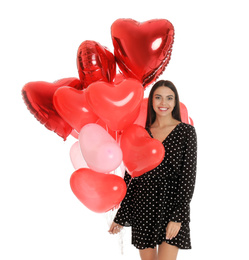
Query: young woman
<point>157,203</point>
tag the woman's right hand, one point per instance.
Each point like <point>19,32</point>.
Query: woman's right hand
<point>115,228</point>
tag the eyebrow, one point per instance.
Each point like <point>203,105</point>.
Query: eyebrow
<point>166,96</point>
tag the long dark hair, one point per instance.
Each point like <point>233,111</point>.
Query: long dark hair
<point>151,114</point>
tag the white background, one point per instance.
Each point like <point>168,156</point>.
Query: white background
<point>40,216</point>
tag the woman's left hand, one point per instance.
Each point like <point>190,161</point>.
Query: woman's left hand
<point>115,228</point>
<point>172,229</point>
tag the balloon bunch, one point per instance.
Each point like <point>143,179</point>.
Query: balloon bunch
<point>106,111</point>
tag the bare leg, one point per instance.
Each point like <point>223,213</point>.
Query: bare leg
<point>148,254</point>
<point>167,252</point>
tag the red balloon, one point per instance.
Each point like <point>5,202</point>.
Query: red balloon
<point>114,134</point>
<point>73,107</point>
<point>95,63</point>
<point>191,122</point>
<point>99,192</point>
<point>117,105</point>
<point>184,114</point>
<point>119,78</point>
<point>38,96</point>
<point>142,50</point>
<point>71,82</point>
<point>142,116</point>
<point>141,153</point>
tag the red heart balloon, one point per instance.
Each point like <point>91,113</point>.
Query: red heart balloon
<point>142,116</point>
<point>38,96</point>
<point>95,63</point>
<point>184,114</point>
<point>141,153</point>
<point>117,105</point>
<point>99,192</point>
<point>71,82</point>
<point>71,104</point>
<point>112,133</point>
<point>142,50</point>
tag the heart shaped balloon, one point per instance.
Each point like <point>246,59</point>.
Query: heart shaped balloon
<point>184,114</point>
<point>38,96</point>
<point>72,105</point>
<point>76,157</point>
<point>99,192</point>
<point>142,50</point>
<point>141,119</point>
<point>99,149</point>
<point>117,105</point>
<point>95,63</point>
<point>114,134</point>
<point>141,153</point>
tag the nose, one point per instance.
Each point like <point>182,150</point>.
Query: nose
<point>163,101</point>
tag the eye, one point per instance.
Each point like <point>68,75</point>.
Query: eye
<point>157,97</point>
<point>170,98</point>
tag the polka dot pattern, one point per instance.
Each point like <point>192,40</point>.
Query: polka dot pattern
<point>163,194</point>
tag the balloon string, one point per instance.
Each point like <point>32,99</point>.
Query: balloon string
<point>109,216</point>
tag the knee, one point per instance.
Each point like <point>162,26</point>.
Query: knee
<point>167,251</point>
<point>148,254</point>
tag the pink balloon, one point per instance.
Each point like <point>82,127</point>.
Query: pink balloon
<point>76,157</point>
<point>100,150</point>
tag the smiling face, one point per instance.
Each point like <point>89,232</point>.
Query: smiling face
<point>163,101</point>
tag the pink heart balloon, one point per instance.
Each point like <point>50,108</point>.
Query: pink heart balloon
<point>76,157</point>
<point>99,149</point>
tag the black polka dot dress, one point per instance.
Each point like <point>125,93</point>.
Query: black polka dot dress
<point>163,194</point>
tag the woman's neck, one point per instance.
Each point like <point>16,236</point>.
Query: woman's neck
<point>164,121</point>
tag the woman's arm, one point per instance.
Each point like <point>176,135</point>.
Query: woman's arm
<point>186,182</point>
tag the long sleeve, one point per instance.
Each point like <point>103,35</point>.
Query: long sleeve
<point>186,181</point>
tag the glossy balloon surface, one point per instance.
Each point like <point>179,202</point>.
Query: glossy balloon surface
<point>141,153</point>
<point>99,149</point>
<point>72,105</point>
<point>117,105</point>
<point>94,63</point>
<point>142,50</point>
<point>76,157</point>
<point>38,96</point>
<point>99,192</point>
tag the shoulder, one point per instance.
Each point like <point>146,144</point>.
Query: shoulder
<point>187,127</point>
<point>187,130</point>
